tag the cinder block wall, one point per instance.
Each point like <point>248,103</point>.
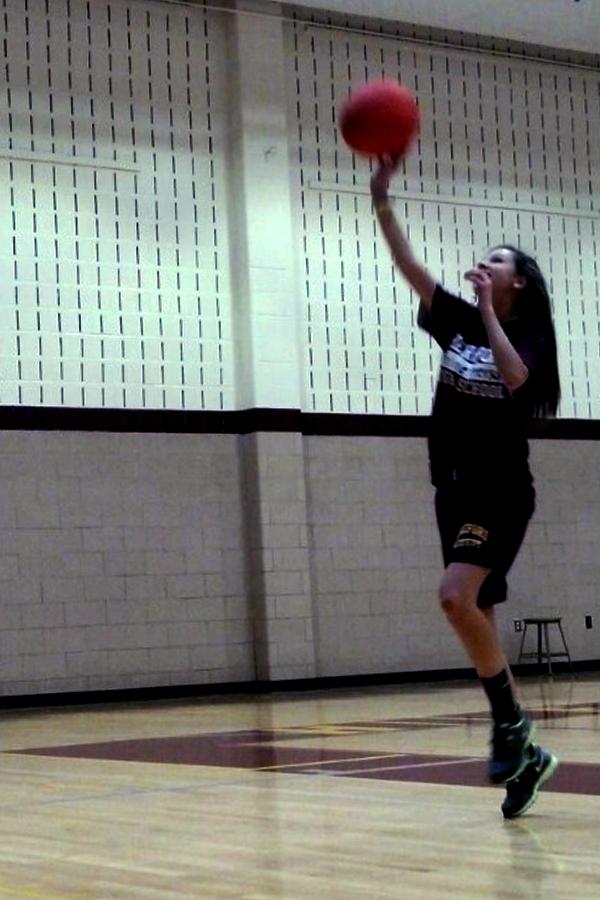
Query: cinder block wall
<point>137,560</point>
<point>121,561</point>
<point>376,561</point>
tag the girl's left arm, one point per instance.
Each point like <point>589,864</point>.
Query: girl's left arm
<point>511,367</point>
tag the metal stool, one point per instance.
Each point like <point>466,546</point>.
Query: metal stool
<point>543,641</point>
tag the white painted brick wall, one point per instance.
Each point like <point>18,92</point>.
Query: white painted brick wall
<point>117,554</point>
<point>113,597</point>
<point>278,553</point>
<point>376,562</point>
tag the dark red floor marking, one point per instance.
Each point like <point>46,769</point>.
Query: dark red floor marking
<point>240,750</point>
<point>571,778</point>
<point>263,750</point>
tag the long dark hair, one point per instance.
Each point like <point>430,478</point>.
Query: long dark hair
<point>534,305</point>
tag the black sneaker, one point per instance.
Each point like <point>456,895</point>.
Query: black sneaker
<point>509,746</point>
<point>522,791</point>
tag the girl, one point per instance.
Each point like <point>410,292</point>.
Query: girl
<point>499,370</point>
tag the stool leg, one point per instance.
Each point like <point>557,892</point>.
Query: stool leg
<point>562,634</point>
<point>522,641</point>
<point>547,639</point>
<point>539,643</point>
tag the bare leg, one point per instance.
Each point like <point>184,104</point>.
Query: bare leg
<point>475,628</point>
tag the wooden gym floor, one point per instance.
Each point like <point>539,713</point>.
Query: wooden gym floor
<point>342,794</point>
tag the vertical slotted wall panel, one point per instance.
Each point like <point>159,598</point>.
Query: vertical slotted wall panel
<point>506,153</point>
<point>113,250</point>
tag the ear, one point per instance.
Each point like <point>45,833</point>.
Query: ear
<point>520,282</point>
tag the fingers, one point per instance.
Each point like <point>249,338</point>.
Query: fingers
<point>389,162</point>
<point>381,177</point>
<point>481,281</point>
<point>478,276</point>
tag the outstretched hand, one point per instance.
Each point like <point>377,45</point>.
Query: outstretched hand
<point>381,177</point>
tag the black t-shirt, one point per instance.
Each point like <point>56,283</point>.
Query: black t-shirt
<point>478,427</point>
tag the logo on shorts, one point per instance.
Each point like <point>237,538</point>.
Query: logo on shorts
<point>471,536</point>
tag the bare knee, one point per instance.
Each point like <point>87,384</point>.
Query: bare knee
<point>459,591</point>
<point>456,602</point>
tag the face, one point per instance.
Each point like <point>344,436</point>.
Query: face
<point>500,264</point>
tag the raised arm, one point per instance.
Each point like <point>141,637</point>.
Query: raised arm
<point>415,272</point>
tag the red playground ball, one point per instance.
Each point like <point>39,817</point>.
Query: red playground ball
<point>381,118</point>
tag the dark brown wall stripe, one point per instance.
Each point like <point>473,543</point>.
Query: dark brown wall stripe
<point>245,421</point>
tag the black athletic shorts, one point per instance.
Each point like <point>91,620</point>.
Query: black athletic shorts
<point>484,527</point>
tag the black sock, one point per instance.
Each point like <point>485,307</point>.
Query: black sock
<point>505,710</point>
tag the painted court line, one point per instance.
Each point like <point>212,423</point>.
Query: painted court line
<point>452,762</point>
<point>331,762</point>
